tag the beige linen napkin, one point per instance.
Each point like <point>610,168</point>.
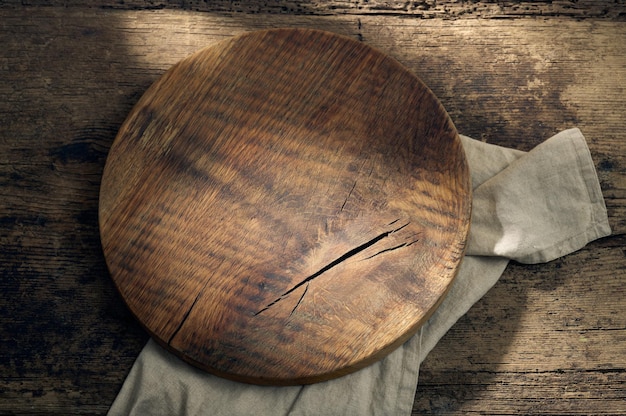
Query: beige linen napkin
<point>529,207</point>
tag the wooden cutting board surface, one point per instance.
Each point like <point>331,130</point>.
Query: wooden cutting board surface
<point>285,207</point>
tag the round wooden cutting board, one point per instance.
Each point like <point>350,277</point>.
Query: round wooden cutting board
<point>285,207</point>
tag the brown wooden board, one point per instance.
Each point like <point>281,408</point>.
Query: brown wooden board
<point>285,207</point>
<point>547,339</point>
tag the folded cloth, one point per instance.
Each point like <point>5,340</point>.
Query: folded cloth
<point>529,207</point>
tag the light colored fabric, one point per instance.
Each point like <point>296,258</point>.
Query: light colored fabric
<point>530,207</point>
<point>540,207</point>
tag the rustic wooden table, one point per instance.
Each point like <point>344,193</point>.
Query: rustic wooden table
<point>547,339</point>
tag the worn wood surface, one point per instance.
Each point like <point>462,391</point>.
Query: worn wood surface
<point>285,207</point>
<point>548,339</point>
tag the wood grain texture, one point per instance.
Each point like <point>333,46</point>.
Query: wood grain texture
<point>420,9</point>
<point>552,341</point>
<point>285,207</point>
<point>70,74</point>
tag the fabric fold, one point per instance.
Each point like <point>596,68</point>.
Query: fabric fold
<point>542,206</point>
<point>529,207</point>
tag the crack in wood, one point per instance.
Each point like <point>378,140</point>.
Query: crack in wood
<point>348,197</point>
<point>300,300</point>
<point>392,248</point>
<point>337,261</point>
<point>182,322</point>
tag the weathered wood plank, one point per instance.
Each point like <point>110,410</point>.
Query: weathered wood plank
<point>424,9</point>
<point>570,303</point>
<point>513,393</point>
<point>68,77</point>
